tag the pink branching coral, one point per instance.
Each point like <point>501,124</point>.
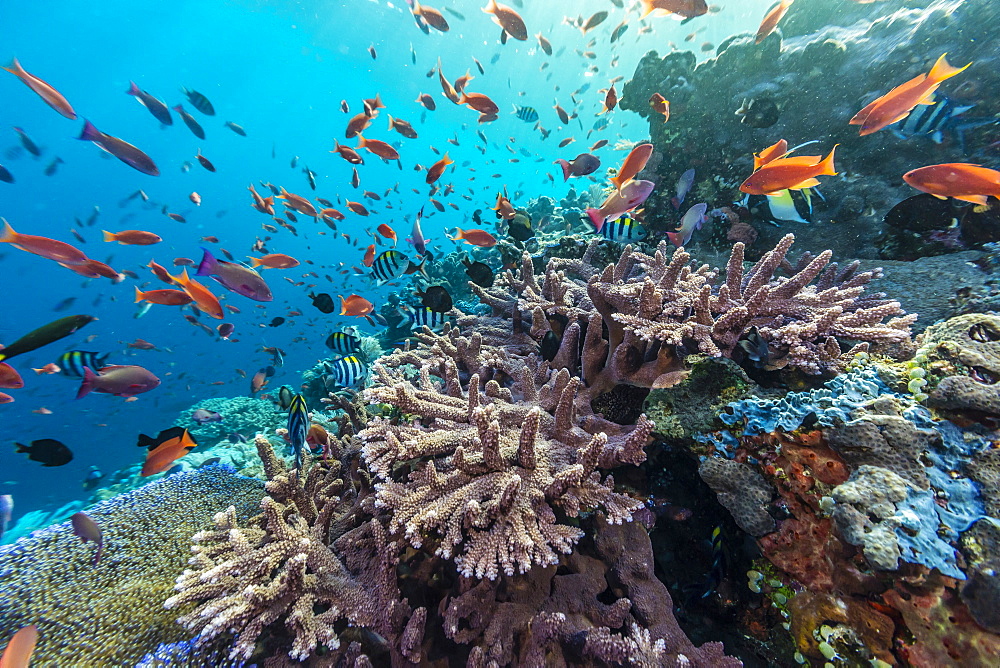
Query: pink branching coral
<point>309,561</point>
<point>494,469</point>
<point>651,305</point>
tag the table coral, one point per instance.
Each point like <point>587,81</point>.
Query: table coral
<point>112,613</point>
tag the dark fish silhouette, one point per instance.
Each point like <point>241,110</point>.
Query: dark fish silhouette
<point>48,451</point>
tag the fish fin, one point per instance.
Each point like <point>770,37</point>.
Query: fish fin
<point>808,183</point>
<point>859,118</point>
<point>974,199</point>
<point>89,132</point>
<point>132,89</point>
<point>139,295</point>
<point>88,383</point>
<point>209,265</point>
<point>8,235</point>
<point>596,219</point>
<point>942,70</point>
<point>565,168</point>
<point>675,238</point>
<point>108,236</point>
<point>826,167</point>
<point>15,67</point>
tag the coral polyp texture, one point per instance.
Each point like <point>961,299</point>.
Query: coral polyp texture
<point>496,464</point>
<point>111,613</point>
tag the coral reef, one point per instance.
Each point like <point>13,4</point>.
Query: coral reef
<point>309,560</point>
<point>652,307</point>
<point>241,415</point>
<point>112,613</point>
<point>834,52</point>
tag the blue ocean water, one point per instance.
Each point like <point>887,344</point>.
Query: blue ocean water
<point>280,70</point>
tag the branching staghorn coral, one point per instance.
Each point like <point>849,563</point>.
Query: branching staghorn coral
<point>494,469</point>
<point>652,305</point>
<point>311,561</point>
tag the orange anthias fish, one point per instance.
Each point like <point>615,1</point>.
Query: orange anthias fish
<point>789,173</point>
<point>387,232</point>
<point>165,449</point>
<point>369,258</point>
<point>476,237</point>
<point>962,181</point>
<point>378,147</point>
<point>508,19</point>
<point>21,646</point>
<point>133,237</point>
<point>660,105</point>
<point>298,203</point>
<point>202,296</point>
<point>634,163</point>
<point>770,153</point>
<point>610,100</point>
<point>50,95</point>
<point>479,102</point>
<point>435,171</point>
<point>347,153</point>
<point>431,16</point>
<point>897,104</point>
<point>48,248</point>
<point>48,369</point>
<point>504,208</point>
<point>10,379</point>
<point>771,20</point>
<point>356,207</point>
<point>163,297</point>
<point>687,9</point>
<point>355,305</point>
<point>274,261</point>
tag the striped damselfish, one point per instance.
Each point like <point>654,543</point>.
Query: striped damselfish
<point>345,372</point>
<point>72,363</point>
<point>419,317</point>
<point>623,228</point>
<point>298,426</point>
<point>393,264</point>
<point>526,114</point>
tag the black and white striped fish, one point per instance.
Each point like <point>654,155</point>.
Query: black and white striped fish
<point>418,317</point>
<point>393,264</point>
<point>526,114</point>
<point>343,343</point>
<point>623,228</point>
<point>932,120</point>
<point>345,372</point>
<point>298,426</point>
<point>72,363</point>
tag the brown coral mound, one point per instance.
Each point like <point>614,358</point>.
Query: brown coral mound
<point>308,561</point>
<point>651,305</point>
<point>495,470</point>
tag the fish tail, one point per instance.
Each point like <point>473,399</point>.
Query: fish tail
<point>675,238</point>
<point>89,132</point>
<point>109,236</point>
<point>209,265</point>
<point>491,7</point>
<point>88,383</point>
<point>15,67</point>
<point>943,70</point>
<point>254,262</point>
<point>8,235</point>
<point>132,88</point>
<point>565,168</point>
<point>178,108</point>
<point>596,219</point>
<point>139,295</point>
<point>827,168</point>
